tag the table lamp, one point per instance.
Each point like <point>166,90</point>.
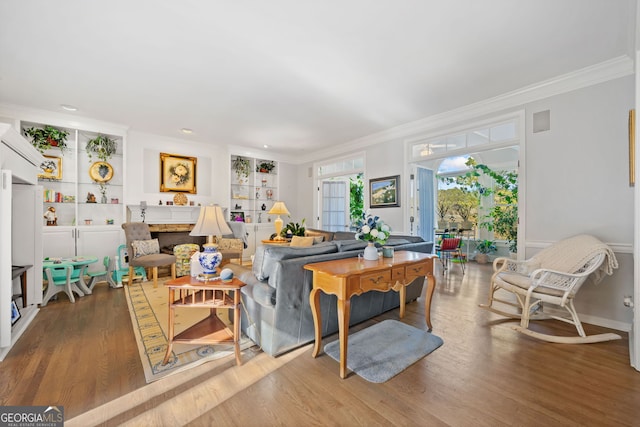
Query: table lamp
<point>211,222</point>
<point>278,208</point>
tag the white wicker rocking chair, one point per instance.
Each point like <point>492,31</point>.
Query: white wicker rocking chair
<point>553,276</point>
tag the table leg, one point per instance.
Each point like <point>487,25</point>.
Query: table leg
<point>75,288</point>
<point>314,302</point>
<point>170,331</point>
<point>344,312</point>
<point>81,283</point>
<point>236,325</point>
<point>403,299</point>
<point>431,287</point>
<point>23,287</point>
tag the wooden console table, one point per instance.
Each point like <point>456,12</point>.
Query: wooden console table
<point>353,276</point>
<point>213,294</point>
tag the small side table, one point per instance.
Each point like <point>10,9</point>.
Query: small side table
<point>188,292</point>
<point>276,242</point>
<point>21,270</point>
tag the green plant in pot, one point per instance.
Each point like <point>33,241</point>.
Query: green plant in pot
<point>293,229</point>
<point>265,167</point>
<point>241,167</point>
<point>102,147</point>
<point>44,139</point>
<point>484,248</point>
<point>502,219</point>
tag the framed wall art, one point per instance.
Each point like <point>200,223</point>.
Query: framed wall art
<point>15,312</point>
<point>632,147</point>
<point>101,172</point>
<point>384,192</point>
<point>51,168</point>
<point>177,173</point>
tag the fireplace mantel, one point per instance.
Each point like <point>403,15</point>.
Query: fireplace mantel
<point>164,214</point>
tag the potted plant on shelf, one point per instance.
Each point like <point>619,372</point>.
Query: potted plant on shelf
<point>102,147</point>
<point>44,139</point>
<point>242,168</point>
<point>265,167</point>
<point>484,248</point>
<point>293,229</point>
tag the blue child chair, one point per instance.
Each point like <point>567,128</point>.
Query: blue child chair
<point>122,268</point>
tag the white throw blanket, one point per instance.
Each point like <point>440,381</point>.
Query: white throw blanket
<point>571,254</point>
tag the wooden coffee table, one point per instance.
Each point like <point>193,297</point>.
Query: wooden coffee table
<point>353,276</point>
<point>213,294</point>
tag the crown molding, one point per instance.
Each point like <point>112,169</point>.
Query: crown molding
<point>599,73</point>
<point>53,118</point>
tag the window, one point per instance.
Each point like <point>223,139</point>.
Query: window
<point>475,178</point>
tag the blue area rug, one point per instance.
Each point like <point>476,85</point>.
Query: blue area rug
<point>380,352</point>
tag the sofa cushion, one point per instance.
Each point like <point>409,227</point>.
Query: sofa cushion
<point>350,245</point>
<point>267,255</point>
<point>396,242</point>
<point>301,242</point>
<point>344,235</point>
<point>327,235</point>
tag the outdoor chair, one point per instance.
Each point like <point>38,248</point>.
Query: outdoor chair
<point>448,250</point>
<point>553,276</point>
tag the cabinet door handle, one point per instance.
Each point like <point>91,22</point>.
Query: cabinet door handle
<point>377,280</point>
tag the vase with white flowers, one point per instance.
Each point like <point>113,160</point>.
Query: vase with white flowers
<point>372,230</point>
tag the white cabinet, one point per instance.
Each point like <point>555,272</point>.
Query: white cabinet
<point>87,194</point>
<point>256,234</point>
<point>20,235</point>
<point>59,242</point>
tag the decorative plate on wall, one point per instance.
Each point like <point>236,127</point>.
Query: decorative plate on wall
<point>180,199</point>
<point>101,172</point>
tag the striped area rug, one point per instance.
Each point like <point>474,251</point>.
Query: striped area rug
<point>148,307</point>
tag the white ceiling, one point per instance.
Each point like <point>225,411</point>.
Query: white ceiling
<point>297,75</point>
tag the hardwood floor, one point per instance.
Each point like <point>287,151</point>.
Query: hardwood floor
<point>84,356</point>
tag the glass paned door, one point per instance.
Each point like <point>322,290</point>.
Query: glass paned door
<point>335,205</point>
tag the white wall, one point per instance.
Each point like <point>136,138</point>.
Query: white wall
<point>576,182</point>
<point>143,169</point>
<point>381,160</point>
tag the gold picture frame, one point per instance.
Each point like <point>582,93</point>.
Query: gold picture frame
<point>101,172</point>
<point>632,148</point>
<point>51,168</point>
<point>177,173</point>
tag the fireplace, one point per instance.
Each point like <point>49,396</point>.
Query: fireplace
<point>170,235</point>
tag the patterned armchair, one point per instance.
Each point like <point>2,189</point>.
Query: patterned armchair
<point>183,257</point>
<point>230,249</point>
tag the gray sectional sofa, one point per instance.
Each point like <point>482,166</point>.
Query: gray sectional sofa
<point>276,313</point>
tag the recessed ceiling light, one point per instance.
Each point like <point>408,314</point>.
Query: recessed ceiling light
<point>265,146</point>
<point>186,131</point>
<point>68,107</point>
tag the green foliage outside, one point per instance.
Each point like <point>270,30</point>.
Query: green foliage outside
<point>502,219</point>
<point>356,203</point>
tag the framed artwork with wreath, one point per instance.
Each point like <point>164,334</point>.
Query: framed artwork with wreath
<point>51,168</point>
<point>177,173</point>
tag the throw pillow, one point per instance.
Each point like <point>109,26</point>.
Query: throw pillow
<point>145,247</point>
<point>350,245</point>
<point>267,255</point>
<point>318,239</point>
<point>301,242</point>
